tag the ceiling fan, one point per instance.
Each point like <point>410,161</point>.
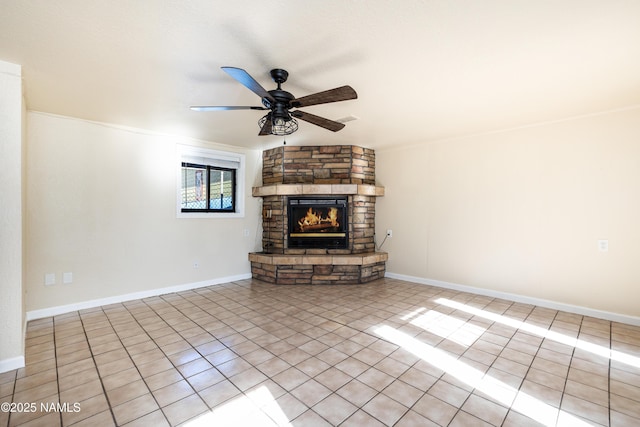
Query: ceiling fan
<point>281,120</point>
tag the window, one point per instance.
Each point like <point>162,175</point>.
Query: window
<point>210,183</point>
<point>207,188</point>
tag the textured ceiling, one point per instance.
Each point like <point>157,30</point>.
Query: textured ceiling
<point>424,70</point>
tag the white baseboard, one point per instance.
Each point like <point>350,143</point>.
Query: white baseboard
<point>62,309</point>
<point>585,311</point>
<point>11,364</point>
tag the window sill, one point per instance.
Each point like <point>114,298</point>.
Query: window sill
<point>196,215</point>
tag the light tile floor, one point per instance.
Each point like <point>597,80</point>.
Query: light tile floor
<point>385,353</point>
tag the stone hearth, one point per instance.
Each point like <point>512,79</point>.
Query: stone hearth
<point>318,269</point>
<point>320,171</point>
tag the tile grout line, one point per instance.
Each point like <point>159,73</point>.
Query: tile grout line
<point>136,364</point>
<point>459,409</point>
<point>111,407</point>
<point>566,379</point>
<point>13,393</point>
<point>55,356</point>
<point>104,390</point>
<point>573,352</point>
<point>609,370</point>
<point>192,347</point>
<point>509,409</point>
<point>247,339</point>
<point>217,339</point>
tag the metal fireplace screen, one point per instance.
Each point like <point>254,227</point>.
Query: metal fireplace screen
<point>318,222</point>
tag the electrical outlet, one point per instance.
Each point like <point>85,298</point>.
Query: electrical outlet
<point>389,233</point>
<point>50,279</point>
<point>67,278</point>
<point>603,245</point>
<point>245,232</point>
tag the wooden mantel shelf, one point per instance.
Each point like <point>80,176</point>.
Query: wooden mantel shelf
<point>319,189</point>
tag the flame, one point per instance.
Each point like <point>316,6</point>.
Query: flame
<point>333,216</point>
<point>315,218</point>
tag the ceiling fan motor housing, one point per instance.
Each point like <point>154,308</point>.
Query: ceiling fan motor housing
<point>281,97</point>
<point>282,105</point>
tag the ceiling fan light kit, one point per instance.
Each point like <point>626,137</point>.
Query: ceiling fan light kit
<point>279,126</point>
<point>280,120</point>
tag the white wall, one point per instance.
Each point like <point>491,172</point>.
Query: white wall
<point>521,211</point>
<point>517,212</point>
<point>102,205</point>
<point>11,206</point>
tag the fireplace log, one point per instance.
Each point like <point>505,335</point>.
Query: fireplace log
<point>315,227</point>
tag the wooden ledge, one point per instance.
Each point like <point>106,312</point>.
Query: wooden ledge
<point>319,189</point>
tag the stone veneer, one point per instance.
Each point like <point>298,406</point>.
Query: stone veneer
<point>360,212</point>
<point>344,170</point>
<point>332,164</point>
<point>318,270</point>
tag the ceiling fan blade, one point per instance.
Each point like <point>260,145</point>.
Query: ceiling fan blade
<point>222,107</point>
<point>266,127</point>
<point>318,121</point>
<point>249,82</point>
<point>342,93</point>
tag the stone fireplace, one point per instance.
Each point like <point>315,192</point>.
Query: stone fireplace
<point>318,216</point>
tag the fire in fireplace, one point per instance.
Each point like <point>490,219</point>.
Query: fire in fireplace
<point>318,222</point>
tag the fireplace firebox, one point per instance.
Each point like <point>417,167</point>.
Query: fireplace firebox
<point>318,222</point>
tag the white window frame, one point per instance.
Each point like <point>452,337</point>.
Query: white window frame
<point>190,154</point>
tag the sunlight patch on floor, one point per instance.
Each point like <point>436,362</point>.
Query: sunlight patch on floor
<point>445,326</point>
<point>501,392</point>
<point>545,333</point>
<point>243,411</point>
